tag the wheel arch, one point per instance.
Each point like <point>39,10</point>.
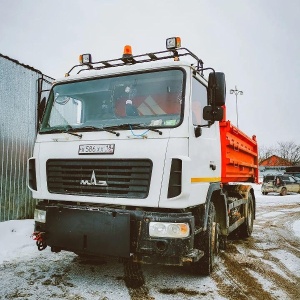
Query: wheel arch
<point>216,196</point>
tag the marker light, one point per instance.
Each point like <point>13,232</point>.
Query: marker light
<point>85,59</point>
<point>173,43</point>
<point>172,230</point>
<point>127,51</point>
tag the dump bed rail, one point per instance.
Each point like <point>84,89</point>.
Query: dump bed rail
<point>239,155</point>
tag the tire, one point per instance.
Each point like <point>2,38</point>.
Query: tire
<point>222,242</point>
<point>265,193</point>
<point>245,230</point>
<point>283,192</point>
<point>208,242</point>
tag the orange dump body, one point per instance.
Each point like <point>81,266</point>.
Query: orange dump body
<point>239,155</point>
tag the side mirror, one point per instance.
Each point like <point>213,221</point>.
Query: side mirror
<point>211,113</point>
<point>216,88</point>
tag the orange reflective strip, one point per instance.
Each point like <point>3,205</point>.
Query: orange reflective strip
<point>205,179</point>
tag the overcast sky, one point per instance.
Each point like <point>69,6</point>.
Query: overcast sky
<point>256,43</point>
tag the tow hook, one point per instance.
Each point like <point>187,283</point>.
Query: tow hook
<point>38,236</point>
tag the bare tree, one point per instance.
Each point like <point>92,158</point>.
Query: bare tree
<point>286,150</point>
<point>265,152</point>
<point>289,151</point>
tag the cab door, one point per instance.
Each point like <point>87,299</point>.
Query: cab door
<point>204,145</point>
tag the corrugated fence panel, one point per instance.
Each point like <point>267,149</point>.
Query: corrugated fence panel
<point>18,101</point>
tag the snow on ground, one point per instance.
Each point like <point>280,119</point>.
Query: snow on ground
<point>276,199</point>
<point>16,243</point>
<point>296,228</point>
<point>15,236</point>
<point>15,239</point>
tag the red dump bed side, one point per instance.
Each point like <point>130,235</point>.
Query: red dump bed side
<point>239,155</point>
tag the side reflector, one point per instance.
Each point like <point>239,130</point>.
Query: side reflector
<point>173,43</point>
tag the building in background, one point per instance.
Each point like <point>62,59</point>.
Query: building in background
<point>273,165</point>
<point>19,98</point>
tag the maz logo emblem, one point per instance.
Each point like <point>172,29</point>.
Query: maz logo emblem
<point>93,181</point>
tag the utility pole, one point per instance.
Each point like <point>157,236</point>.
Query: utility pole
<point>236,92</point>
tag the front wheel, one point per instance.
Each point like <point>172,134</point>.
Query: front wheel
<point>207,241</point>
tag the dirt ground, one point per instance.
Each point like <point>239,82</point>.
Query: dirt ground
<point>256,268</point>
<point>265,266</point>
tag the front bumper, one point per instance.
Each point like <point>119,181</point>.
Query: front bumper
<point>116,232</point>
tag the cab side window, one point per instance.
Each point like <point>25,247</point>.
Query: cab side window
<point>199,100</point>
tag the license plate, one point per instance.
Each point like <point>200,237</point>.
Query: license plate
<point>97,149</point>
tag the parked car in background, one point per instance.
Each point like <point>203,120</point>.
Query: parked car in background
<point>269,177</point>
<point>282,184</point>
<point>294,171</point>
<point>297,178</point>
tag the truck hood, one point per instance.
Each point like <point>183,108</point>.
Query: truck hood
<point>53,152</point>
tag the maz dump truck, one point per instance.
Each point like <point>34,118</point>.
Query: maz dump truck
<point>134,159</point>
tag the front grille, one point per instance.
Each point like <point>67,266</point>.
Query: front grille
<point>104,178</point>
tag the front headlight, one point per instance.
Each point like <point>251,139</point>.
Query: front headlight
<point>172,230</point>
<point>40,216</point>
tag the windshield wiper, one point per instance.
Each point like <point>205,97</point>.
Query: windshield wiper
<point>73,133</point>
<point>107,129</point>
<point>68,130</point>
<point>135,126</point>
<point>139,126</point>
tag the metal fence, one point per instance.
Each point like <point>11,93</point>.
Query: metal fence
<point>18,122</point>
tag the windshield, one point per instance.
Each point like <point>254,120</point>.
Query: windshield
<point>151,99</point>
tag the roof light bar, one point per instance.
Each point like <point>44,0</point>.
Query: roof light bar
<point>174,51</point>
<point>173,43</point>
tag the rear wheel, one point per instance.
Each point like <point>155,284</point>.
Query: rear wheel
<point>265,193</point>
<point>208,242</point>
<point>283,192</point>
<point>245,230</point>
